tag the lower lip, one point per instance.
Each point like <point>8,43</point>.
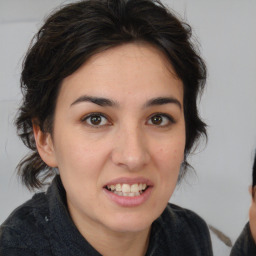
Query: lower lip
<point>129,201</point>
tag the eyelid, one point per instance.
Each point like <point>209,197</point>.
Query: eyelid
<point>169,117</point>
<point>86,117</point>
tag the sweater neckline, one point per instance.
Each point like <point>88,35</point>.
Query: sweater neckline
<point>68,234</point>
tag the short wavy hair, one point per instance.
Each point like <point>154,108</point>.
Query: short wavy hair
<point>74,33</point>
<point>254,172</point>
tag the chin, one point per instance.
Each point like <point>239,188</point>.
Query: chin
<point>130,222</point>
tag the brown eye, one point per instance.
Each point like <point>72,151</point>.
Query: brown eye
<point>156,120</point>
<point>161,120</point>
<point>96,120</point>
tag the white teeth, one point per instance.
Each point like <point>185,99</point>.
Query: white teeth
<point>127,190</point>
<point>127,194</point>
<point>118,187</point>
<point>135,188</point>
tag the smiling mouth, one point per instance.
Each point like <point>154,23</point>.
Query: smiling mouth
<point>127,190</point>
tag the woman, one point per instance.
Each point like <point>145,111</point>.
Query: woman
<point>110,90</point>
<point>246,243</point>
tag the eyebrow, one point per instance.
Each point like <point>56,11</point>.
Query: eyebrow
<point>103,102</point>
<point>163,101</point>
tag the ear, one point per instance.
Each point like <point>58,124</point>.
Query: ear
<point>44,146</point>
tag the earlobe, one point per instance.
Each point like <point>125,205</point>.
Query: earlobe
<point>45,146</point>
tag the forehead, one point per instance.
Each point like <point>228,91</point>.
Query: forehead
<point>136,69</point>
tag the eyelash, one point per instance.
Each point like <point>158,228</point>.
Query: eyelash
<point>85,119</point>
<point>169,118</point>
<point>97,114</point>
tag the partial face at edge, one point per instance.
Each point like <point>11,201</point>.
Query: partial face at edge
<point>119,120</point>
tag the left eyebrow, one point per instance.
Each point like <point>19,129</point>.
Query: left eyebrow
<point>103,102</point>
<point>163,101</point>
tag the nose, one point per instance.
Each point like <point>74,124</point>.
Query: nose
<point>130,149</point>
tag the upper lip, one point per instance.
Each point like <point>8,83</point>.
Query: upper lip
<point>130,181</point>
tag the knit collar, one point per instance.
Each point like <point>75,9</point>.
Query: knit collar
<point>68,235</point>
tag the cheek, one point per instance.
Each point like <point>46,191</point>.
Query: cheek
<point>80,166</point>
<point>76,147</point>
<point>80,161</point>
<point>168,159</point>
<point>170,154</point>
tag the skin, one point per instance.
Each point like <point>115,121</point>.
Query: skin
<point>126,143</point>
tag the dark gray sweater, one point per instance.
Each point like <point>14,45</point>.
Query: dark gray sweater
<point>42,227</point>
<point>244,245</point>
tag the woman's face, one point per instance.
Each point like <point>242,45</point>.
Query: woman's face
<point>119,138</point>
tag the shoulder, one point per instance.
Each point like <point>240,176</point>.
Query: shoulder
<point>181,217</point>
<point>185,231</point>
<point>244,245</point>
<point>23,228</point>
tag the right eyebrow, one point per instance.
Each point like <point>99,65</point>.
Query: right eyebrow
<point>96,100</point>
<point>163,101</point>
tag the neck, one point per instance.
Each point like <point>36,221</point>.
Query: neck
<point>125,244</point>
<point>112,243</point>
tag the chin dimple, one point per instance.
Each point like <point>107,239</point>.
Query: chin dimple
<point>127,190</point>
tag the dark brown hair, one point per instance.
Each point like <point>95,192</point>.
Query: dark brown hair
<point>79,30</point>
<point>254,173</point>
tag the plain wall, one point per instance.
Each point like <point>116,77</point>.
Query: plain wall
<point>226,31</point>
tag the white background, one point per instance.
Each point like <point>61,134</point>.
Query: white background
<point>226,31</point>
